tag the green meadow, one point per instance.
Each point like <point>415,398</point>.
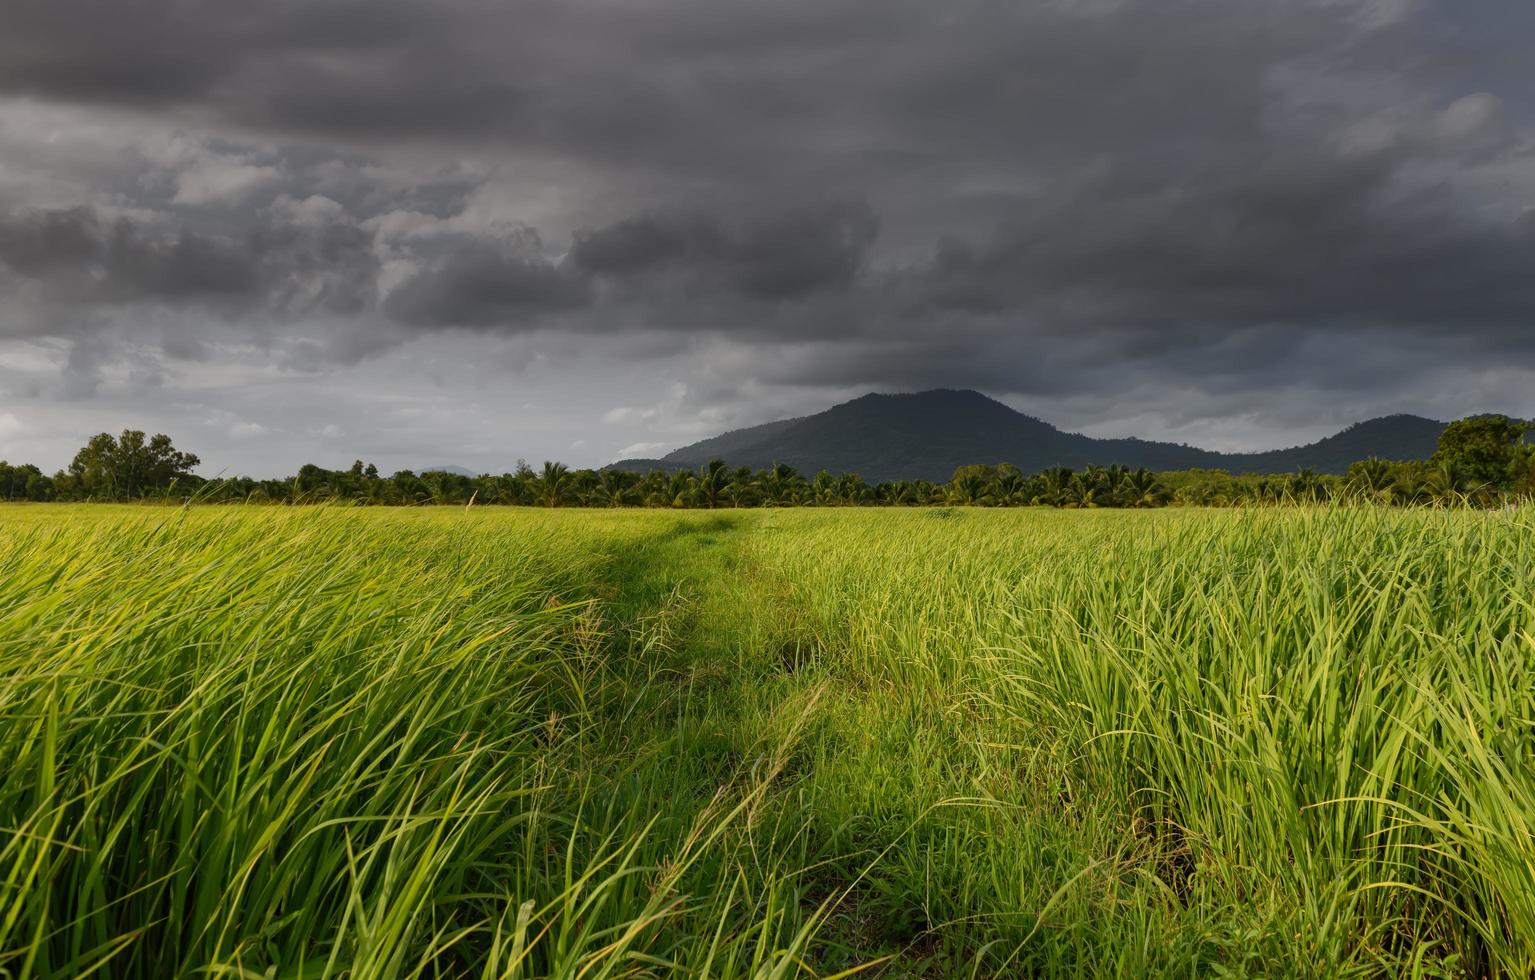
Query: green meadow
<point>315,742</point>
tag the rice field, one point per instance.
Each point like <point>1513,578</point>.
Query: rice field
<point>325,742</point>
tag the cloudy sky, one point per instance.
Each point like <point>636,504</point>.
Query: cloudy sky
<point>466,231</point>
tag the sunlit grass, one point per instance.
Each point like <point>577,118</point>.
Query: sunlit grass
<point>324,744</point>
<point>331,742</point>
<point>1302,737</point>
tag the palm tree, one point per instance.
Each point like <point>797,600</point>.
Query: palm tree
<point>1306,486</point>
<point>1081,490</point>
<point>782,484</point>
<point>679,486</point>
<point>852,490</point>
<point>1412,483</point>
<point>823,489</point>
<point>969,488</point>
<point>1372,478</point>
<point>1443,481</point>
<point>553,484</point>
<point>615,487</point>
<point>584,485</point>
<point>1009,488</point>
<point>1113,478</point>
<point>1140,488</point>
<point>439,488</point>
<point>1054,484</point>
<point>1102,482</point>
<point>901,493</point>
<point>739,491</point>
<point>711,482</point>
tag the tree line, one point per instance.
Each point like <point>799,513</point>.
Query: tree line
<point>1480,461</point>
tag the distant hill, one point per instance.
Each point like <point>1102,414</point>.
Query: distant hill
<point>455,470</point>
<point>928,434</point>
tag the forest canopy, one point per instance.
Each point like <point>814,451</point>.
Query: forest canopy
<point>1483,460</point>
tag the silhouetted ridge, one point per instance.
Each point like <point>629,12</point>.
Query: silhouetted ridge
<point>926,435</point>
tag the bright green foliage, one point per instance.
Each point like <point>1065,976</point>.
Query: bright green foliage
<point>128,466</point>
<point>320,744</point>
<point>937,742</point>
<point>1266,742</point>
<point>1485,450</point>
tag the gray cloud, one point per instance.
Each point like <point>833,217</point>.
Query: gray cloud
<point>79,257</point>
<point>482,286</point>
<point>1169,205</point>
<point>784,256</point>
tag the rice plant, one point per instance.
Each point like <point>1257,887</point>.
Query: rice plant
<point>962,742</point>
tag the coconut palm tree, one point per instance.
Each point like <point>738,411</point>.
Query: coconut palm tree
<point>553,484</point>
<point>679,488</point>
<point>901,493</point>
<point>1102,481</point>
<point>1305,486</point>
<point>616,487</point>
<point>823,489</point>
<point>1053,484</point>
<point>584,485</point>
<point>1009,488</point>
<point>1372,479</point>
<point>711,482</point>
<point>1444,481</point>
<point>782,485</point>
<point>1140,488</point>
<point>925,493</point>
<point>968,489</point>
<point>852,490</point>
<point>740,492</point>
<point>1412,484</point>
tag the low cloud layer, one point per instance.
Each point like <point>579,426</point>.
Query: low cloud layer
<point>1238,223</point>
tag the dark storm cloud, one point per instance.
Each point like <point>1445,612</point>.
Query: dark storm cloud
<point>791,88</point>
<point>784,256</point>
<point>1037,198</point>
<point>672,271</point>
<point>482,286</point>
<point>78,257</point>
<point>83,256</point>
<point>1307,240</point>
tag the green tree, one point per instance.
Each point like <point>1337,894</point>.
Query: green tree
<point>1482,452</point>
<point>1305,486</point>
<point>616,487</point>
<point>712,480</point>
<point>1082,489</point>
<point>24,482</point>
<point>554,485</point>
<point>782,485</point>
<point>129,466</point>
<point>679,486</point>
<point>1372,478</point>
<point>1009,488</point>
<point>585,486</point>
<point>740,492</point>
<point>1141,488</point>
<point>968,488</point>
<point>852,490</point>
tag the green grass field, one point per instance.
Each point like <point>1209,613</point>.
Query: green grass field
<point>324,742</point>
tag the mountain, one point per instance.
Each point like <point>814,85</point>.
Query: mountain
<point>1388,437</point>
<point>929,434</point>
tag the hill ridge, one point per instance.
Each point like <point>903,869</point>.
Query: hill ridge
<point>927,434</point>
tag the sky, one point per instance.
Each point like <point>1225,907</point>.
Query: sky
<point>464,232</point>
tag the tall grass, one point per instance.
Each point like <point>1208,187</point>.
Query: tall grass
<point>261,745</point>
<point>1311,733</point>
<point>774,743</point>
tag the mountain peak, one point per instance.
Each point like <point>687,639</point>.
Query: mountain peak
<point>928,434</point>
